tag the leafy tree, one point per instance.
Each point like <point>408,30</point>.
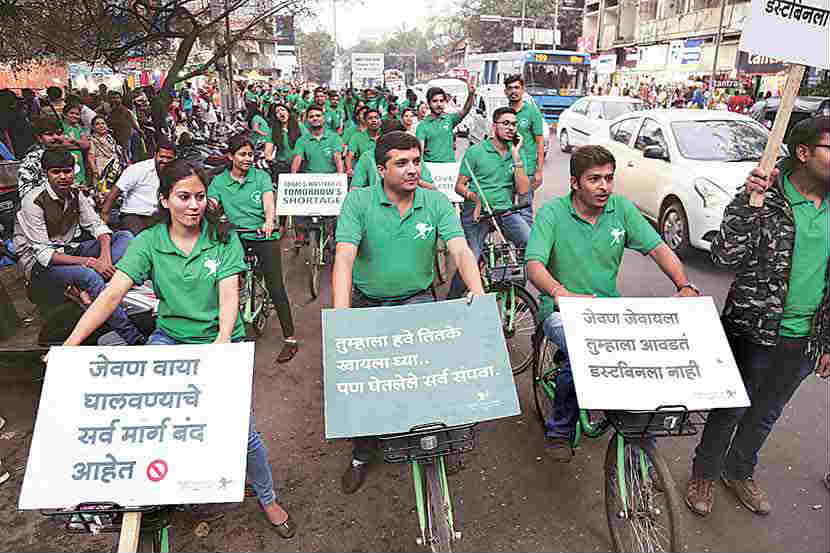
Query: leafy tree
<point>315,52</point>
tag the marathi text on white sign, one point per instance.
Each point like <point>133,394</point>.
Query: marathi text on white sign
<point>311,194</point>
<point>135,426</point>
<point>643,353</point>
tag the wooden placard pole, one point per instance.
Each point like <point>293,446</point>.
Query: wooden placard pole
<point>130,530</point>
<point>779,128</point>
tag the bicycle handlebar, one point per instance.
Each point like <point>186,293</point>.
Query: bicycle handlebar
<point>503,212</point>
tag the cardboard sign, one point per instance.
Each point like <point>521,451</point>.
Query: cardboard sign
<point>150,425</point>
<point>388,369</point>
<point>444,176</point>
<point>642,353</point>
<point>367,66</point>
<point>311,194</point>
<point>795,31</point>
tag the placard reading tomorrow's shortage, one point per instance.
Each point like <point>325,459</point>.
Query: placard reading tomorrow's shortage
<point>643,353</point>
<point>444,176</point>
<point>796,31</point>
<point>388,369</point>
<point>150,425</point>
<point>311,194</point>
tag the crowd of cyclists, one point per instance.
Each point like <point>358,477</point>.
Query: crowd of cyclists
<point>177,225</point>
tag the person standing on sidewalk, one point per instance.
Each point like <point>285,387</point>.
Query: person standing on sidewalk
<point>777,313</point>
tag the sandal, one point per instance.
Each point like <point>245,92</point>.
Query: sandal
<point>289,350</point>
<point>285,529</point>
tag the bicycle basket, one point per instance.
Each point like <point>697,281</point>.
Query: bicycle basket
<point>669,421</point>
<point>503,268</point>
<point>427,444</point>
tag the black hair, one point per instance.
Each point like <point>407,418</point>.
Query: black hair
<point>394,106</point>
<point>371,110</point>
<point>313,107</point>
<point>394,140</point>
<point>95,120</point>
<point>277,129</point>
<point>435,91</point>
<point>180,169</point>
<point>254,112</point>
<point>806,132</point>
<point>43,125</point>
<point>510,79</point>
<point>165,143</point>
<point>54,93</point>
<point>391,125</point>
<point>56,158</point>
<point>408,109</point>
<point>70,106</point>
<point>586,157</point>
<point>498,112</point>
<point>238,141</point>
<point>357,112</point>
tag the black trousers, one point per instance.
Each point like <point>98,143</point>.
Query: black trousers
<point>270,255</point>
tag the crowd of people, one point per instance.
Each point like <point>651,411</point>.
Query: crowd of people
<point>693,94</point>
<point>176,226</point>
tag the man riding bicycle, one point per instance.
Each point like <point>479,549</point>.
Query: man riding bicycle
<point>386,242</point>
<point>575,250</point>
<point>497,166</point>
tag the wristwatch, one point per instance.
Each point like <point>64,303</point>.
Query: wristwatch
<point>689,285</point>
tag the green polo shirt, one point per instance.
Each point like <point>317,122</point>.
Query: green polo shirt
<point>287,152</point>
<point>319,151</point>
<point>187,285</point>
<point>586,258</point>
<point>260,122</point>
<point>334,118</point>
<point>379,103</point>
<point>495,174</point>
<point>810,259</point>
<point>242,201</point>
<point>349,130</point>
<point>366,171</point>
<point>435,133</point>
<point>530,125</point>
<point>361,142</point>
<point>396,255</point>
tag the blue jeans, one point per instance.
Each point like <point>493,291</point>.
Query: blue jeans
<point>258,468</point>
<point>732,438</point>
<point>514,227</point>
<point>48,283</point>
<point>562,422</point>
<point>527,213</point>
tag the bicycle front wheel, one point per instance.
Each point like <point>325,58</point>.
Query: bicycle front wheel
<point>641,500</point>
<point>517,310</point>
<point>544,381</point>
<point>260,305</point>
<point>314,263</point>
<point>439,509</point>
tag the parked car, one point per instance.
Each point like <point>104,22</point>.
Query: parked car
<point>804,107</point>
<point>487,100</point>
<point>681,167</point>
<point>590,115</point>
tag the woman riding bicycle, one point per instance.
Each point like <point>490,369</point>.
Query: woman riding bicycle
<point>247,197</point>
<point>192,310</point>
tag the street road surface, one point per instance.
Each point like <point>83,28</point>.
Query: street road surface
<point>510,497</point>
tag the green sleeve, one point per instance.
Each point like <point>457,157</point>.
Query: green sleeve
<point>455,119</point>
<point>232,261</point>
<point>542,237</point>
<point>136,262</point>
<point>213,188</point>
<point>421,133</point>
<point>350,220</point>
<point>354,144</point>
<point>468,160</point>
<point>639,234</point>
<point>538,123</point>
<point>449,223</point>
<point>426,174</point>
<point>299,147</point>
<point>264,182</point>
<point>339,141</point>
<point>361,171</point>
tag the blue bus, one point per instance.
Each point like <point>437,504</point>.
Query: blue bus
<point>554,78</point>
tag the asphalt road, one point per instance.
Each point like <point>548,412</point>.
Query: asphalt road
<point>510,497</point>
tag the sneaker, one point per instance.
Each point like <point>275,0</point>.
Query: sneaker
<point>699,495</point>
<point>559,450</point>
<point>354,477</point>
<point>750,494</point>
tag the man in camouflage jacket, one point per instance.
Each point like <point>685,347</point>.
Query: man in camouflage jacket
<point>30,174</point>
<point>777,313</point>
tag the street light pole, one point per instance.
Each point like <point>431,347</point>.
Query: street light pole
<point>524,6</point>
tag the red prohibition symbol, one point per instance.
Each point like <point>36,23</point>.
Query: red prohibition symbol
<point>157,470</point>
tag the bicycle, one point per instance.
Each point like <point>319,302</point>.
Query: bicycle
<point>426,447</point>
<point>503,272</point>
<point>254,299</point>
<point>642,504</point>
<point>153,523</point>
<point>320,232</point>
<point>442,254</point>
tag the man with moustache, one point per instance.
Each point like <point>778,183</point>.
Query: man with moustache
<point>435,131</point>
<point>777,313</point>
<point>531,127</point>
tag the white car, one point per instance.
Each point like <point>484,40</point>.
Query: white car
<point>590,115</point>
<point>681,167</point>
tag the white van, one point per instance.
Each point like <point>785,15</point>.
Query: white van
<point>487,100</point>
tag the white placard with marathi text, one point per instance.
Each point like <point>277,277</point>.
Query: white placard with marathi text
<point>367,66</point>
<point>444,176</point>
<point>311,194</point>
<point>643,353</point>
<point>149,425</point>
<point>795,31</point>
